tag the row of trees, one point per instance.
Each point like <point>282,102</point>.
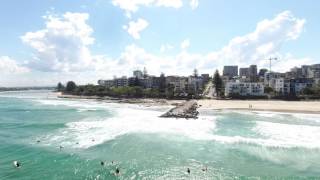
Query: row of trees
<point>121,92</point>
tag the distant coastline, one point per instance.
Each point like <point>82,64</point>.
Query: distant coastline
<point>2,89</point>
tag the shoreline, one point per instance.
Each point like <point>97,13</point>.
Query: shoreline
<point>143,101</point>
<point>304,107</point>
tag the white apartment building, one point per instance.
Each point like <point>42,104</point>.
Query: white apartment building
<point>281,86</point>
<point>244,89</point>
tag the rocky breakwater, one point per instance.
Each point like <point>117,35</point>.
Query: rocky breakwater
<point>186,110</point>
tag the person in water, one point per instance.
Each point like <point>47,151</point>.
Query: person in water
<point>17,164</point>
<point>117,171</point>
<point>102,163</point>
<point>205,169</point>
<point>188,171</point>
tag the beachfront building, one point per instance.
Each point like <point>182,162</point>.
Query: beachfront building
<point>107,83</point>
<point>121,82</point>
<point>244,89</point>
<point>283,87</point>
<point>302,83</point>
<point>179,84</point>
<point>195,84</point>
<point>270,78</point>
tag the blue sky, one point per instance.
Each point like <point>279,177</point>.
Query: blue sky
<point>213,34</point>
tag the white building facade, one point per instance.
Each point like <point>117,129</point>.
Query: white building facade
<point>244,89</point>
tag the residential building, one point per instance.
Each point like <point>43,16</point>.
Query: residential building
<point>121,82</point>
<point>269,78</point>
<point>262,72</point>
<point>107,83</point>
<point>244,72</point>
<point>195,83</point>
<point>230,71</point>
<point>253,72</point>
<point>244,89</point>
<point>302,83</point>
<point>179,83</point>
<point>138,74</point>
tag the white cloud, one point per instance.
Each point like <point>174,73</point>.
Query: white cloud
<point>265,41</point>
<point>169,3</point>
<point>63,44</point>
<point>185,44</point>
<point>10,66</point>
<point>253,48</point>
<point>135,27</point>
<point>64,41</point>
<point>194,4</point>
<point>166,47</point>
<point>132,6</point>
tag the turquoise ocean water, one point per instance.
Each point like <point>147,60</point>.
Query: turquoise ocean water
<point>231,144</point>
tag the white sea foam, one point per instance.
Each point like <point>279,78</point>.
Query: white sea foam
<point>92,105</point>
<point>127,120</point>
<point>139,119</point>
<point>290,135</point>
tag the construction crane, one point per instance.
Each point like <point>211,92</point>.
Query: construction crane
<point>271,59</point>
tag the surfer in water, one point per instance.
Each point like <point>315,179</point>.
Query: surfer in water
<point>17,164</point>
<point>102,163</point>
<point>117,173</point>
<point>188,171</point>
<point>205,169</point>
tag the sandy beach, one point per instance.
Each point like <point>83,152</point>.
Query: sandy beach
<point>263,105</point>
<point>257,105</point>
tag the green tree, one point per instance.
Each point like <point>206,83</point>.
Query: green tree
<point>71,86</point>
<point>136,81</point>
<point>218,83</point>
<point>268,89</point>
<point>170,91</point>
<point>309,91</point>
<point>60,87</point>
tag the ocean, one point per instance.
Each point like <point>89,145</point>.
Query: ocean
<point>67,139</point>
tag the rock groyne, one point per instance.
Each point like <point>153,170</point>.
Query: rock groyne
<point>184,110</point>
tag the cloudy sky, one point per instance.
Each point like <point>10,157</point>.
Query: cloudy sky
<point>43,42</point>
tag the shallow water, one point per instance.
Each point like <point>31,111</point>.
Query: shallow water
<point>231,144</point>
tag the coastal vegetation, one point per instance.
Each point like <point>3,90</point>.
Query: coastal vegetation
<point>135,91</point>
